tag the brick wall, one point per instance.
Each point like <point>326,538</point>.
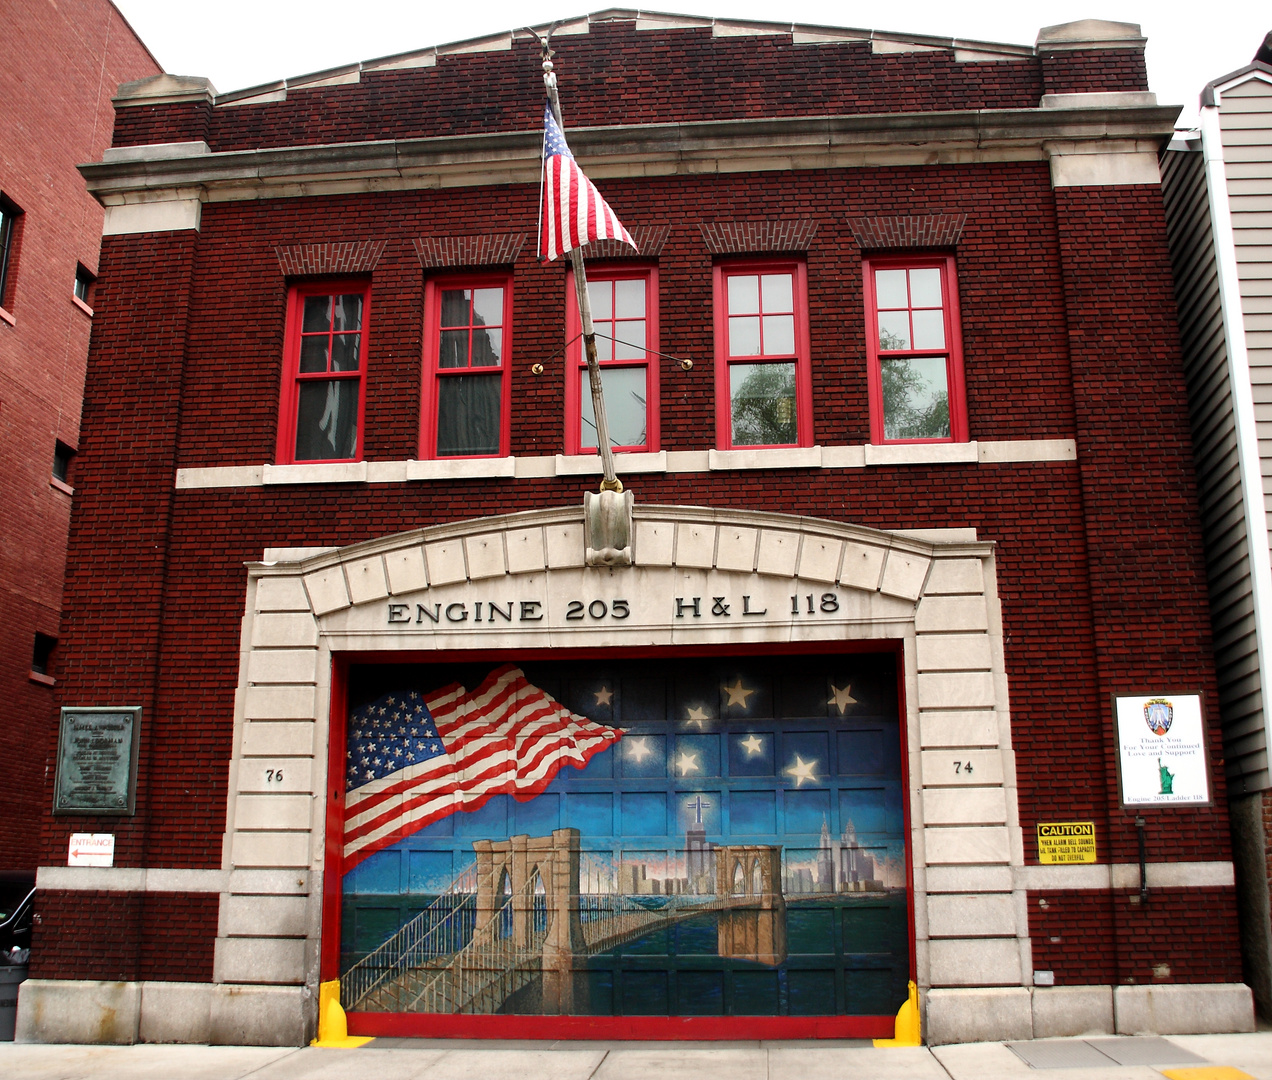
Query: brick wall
<point>1088,71</point>
<point>1149,610</point>
<point>1067,331</point>
<point>714,79</point>
<point>1101,938</point>
<point>112,625</point>
<point>148,936</point>
<point>57,113</point>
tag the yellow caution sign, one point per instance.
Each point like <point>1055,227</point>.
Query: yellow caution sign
<point>1066,842</point>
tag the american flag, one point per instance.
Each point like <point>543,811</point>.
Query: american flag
<point>412,760</point>
<point>572,211</point>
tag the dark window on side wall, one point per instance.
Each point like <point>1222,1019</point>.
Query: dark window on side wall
<point>62,455</point>
<point>43,653</point>
<point>83,282</point>
<point>9,213</point>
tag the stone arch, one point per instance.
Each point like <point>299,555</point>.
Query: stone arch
<point>931,594</point>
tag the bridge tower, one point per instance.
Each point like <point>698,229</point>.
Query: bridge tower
<point>753,926</point>
<point>555,861</point>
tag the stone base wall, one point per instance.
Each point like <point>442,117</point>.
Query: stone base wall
<point>74,1011</point>
<point>81,1011</point>
<point>990,1015</point>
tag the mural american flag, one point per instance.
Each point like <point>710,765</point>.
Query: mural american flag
<point>412,760</point>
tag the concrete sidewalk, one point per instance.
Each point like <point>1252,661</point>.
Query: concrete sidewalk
<point>1214,1057</point>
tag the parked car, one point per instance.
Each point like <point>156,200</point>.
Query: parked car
<point>17,896</point>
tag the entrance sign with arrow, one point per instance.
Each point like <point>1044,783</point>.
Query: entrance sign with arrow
<point>91,849</point>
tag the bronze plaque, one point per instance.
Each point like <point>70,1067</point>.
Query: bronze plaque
<point>97,761</point>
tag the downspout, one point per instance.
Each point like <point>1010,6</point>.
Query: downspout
<point>1229,281</point>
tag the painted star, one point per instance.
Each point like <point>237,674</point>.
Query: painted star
<point>604,695</point>
<point>738,693</point>
<point>687,763</point>
<point>639,749</point>
<point>753,745</point>
<point>842,698</point>
<point>697,715</point>
<point>802,770</point>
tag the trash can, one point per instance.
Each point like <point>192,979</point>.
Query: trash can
<point>10,976</point>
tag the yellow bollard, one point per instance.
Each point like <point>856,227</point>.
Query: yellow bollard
<point>907,1027</point>
<point>333,1029</point>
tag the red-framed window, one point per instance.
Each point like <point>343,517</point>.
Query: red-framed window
<point>320,413</point>
<point>914,346</point>
<point>625,318</point>
<point>764,391</point>
<point>467,372</point>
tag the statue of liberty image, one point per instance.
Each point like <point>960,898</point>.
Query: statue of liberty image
<point>1167,778</point>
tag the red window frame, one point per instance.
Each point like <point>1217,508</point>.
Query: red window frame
<point>433,373</point>
<point>952,351</point>
<point>293,377</point>
<point>725,361</point>
<point>576,358</point>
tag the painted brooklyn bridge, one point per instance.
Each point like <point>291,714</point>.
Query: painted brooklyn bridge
<point>722,852</point>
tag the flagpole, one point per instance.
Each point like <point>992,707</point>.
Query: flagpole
<point>610,480</point>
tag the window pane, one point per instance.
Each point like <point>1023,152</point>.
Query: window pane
<point>890,289</point>
<point>894,330</point>
<point>604,347</point>
<point>744,294</point>
<point>779,334</point>
<point>763,402</point>
<point>916,401</point>
<point>313,353</point>
<point>929,329</point>
<point>488,307</point>
<point>327,420</point>
<point>601,293</point>
<point>778,292</point>
<point>317,313</point>
<point>468,415</point>
<point>349,312</point>
<point>487,348</point>
<point>925,287</point>
<point>344,352</point>
<point>744,336</point>
<point>625,407</point>
<point>455,307</point>
<point>631,340</point>
<point>629,298</point>
<point>452,349</point>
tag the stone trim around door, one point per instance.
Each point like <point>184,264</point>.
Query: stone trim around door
<point>701,577</point>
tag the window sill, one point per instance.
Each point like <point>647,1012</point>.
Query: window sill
<point>670,462</point>
<point>590,464</point>
<point>319,472</point>
<point>920,453</point>
<point>457,468</point>
<point>784,457</point>
<point>61,485</point>
<point>43,680</point>
<point>6,317</point>
<point>81,305</point>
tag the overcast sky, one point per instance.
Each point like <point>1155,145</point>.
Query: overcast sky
<point>248,42</point>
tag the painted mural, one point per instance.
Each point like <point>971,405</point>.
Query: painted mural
<point>645,837</point>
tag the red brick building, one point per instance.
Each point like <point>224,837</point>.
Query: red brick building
<point>55,113</point>
<point>902,671</point>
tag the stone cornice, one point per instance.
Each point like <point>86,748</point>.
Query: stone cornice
<point>970,136</point>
